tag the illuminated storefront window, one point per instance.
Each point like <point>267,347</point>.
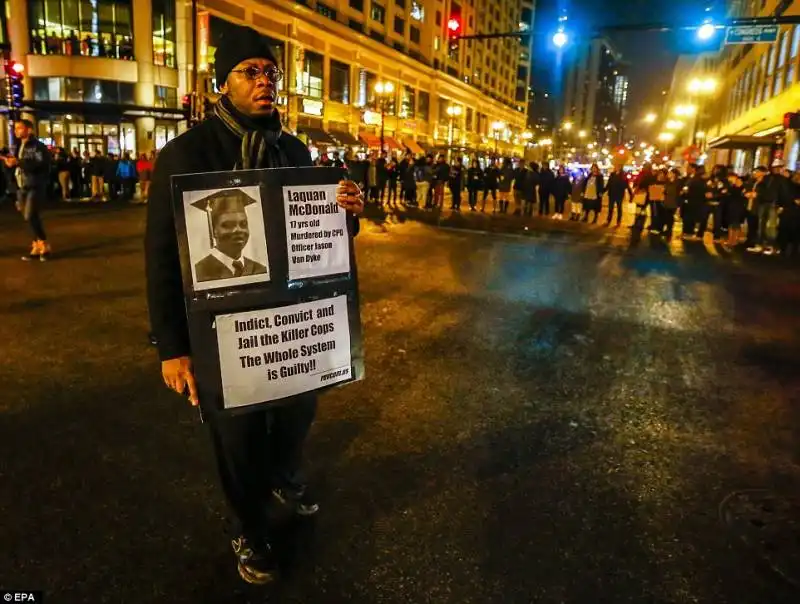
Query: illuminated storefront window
<point>92,28</point>
<point>69,132</point>
<point>164,134</point>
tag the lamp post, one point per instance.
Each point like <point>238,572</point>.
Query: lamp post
<point>453,111</point>
<point>384,91</point>
<point>497,128</point>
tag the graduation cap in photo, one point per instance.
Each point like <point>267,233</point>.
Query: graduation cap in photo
<point>220,202</point>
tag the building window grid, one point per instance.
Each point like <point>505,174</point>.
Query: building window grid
<point>164,40</point>
<point>72,27</point>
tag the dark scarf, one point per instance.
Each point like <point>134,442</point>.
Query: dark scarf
<point>259,137</point>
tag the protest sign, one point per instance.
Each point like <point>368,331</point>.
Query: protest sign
<point>270,285</point>
<point>315,224</point>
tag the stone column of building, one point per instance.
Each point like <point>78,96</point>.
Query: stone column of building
<point>183,50</point>
<point>19,37</point>
<point>144,92</point>
<point>326,85</point>
<point>792,139</point>
<point>355,115</point>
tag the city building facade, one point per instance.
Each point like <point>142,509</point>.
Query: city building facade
<point>758,85</point>
<point>596,91</point>
<point>113,74</point>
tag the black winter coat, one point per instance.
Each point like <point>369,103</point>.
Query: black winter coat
<point>207,147</point>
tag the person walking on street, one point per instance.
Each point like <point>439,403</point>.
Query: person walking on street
<point>617,187</point>
<point>736,207</point>
<point>530,187</point>
<point>32,171</point>
<point>383,176</point>
<point>258,453</point>
<point>561,190</point>
<point>520,176</point>
<point>409,183</point>
<point>126,175</point>
<point>402,169</point>
<point>717,191</point>
<point>576,196</point>
<point>474,183</point>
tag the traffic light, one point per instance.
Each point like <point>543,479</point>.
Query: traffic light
<point>453,32</point>
<point>186,106</point>
<point>15,76</point>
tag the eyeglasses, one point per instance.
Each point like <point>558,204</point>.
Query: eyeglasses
<point>253,73</point>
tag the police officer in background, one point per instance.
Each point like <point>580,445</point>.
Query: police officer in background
<point>258,453</point>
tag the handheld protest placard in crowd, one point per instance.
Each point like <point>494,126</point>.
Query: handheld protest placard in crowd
<point>269,283</point>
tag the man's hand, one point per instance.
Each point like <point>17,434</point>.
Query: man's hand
<point>350,197</point>
<point>11,161</point>
<point>178,376</point>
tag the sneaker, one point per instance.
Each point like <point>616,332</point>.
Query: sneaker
<point>299,498</point>
<point>756,249</point>
<point>35,252</point>
<point>255,567</point>
<point>44,251</point>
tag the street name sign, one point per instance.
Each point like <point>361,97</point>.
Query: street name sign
<point>752,34</point>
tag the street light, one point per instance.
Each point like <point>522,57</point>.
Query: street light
<point>384,91</point>
<point>674,124</point>
<point>666,137</point>
<point>453,111</point>
<point>650,118</point>
<point>702,85</point>
<point>685,110</point>
<point>706,31</point>
<point>567,125</point>
<point>497,127</point>
<point>582,134</point>
<point>560,39</point>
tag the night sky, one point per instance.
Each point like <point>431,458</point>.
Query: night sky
<point>651,55</point>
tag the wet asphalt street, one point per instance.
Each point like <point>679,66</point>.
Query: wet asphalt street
<point>552,415</point>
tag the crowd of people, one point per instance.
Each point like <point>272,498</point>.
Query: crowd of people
<point>70,176</point>
<point>760,210</point>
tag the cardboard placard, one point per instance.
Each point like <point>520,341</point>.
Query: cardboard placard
<point>270,285</point>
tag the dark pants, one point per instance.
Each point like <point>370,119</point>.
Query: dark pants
<point>560,203</point>
<point>708,211</point>
<point>544,203</point>
<point>374,193</point>
<point>668,220</point>
<point>752,228</point>
<point>486,194</point>
<point>29,200</point>
<point>75,180</point>
<point>655,215</point>
<point>455,192</point>
<point>472,197</point>
<point>591,205</point>
<point>391,195</point>
<point>614,202</point>
<point>128,188</point>
<point>257,452</point>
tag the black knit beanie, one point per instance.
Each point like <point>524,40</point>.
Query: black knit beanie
<point>237,44</point>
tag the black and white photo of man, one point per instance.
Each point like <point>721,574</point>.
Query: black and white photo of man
<point>229,233</point>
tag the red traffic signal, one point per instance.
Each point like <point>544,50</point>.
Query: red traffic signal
<point>17,67</point>
<point>454,26</point>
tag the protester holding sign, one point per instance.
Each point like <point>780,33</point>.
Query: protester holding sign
<point>258,453</point>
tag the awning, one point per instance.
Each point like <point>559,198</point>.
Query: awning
<point>369,139</point>
<point>413,146</point>
<point>317,135</point>
<point>392,143</point>
<point>741,142</point>
<point>343,138</point>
